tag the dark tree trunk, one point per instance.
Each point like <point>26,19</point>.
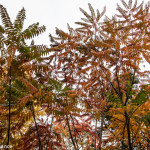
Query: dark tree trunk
<point>101,130</point>
<point>71,137</point>
<point>8,134</point>
<point>128,130</point>
<point>40,145</point>
<point>95,135</point>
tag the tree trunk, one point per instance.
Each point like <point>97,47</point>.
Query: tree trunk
<point>122,142</point>
<point>70,132</point>
<point>95,135</point>
<point>101,130</point>
<point>8,134</point>
<point>128,130</point>
<point>74,131</point>
<point>40,145</point>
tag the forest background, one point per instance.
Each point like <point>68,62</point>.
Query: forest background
<point>87,90</point>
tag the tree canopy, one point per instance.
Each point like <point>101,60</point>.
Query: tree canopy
<point>86,91</point>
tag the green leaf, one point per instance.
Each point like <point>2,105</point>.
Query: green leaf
<point>5,18</point>
<point>146,119</point>
<point>18,23</point>
<point>33,30</point>
<point>142,97</point>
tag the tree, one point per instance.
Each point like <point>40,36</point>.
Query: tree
<point>111,60</point>
<point>15,53</point>
<point>90,87</point>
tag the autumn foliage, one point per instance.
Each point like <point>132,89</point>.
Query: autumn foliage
<point>88,90</point>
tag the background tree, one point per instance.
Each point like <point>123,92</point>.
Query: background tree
<point>113,58</point>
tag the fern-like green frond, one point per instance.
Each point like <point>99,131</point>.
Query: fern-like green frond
<point>33,30</point>
<point>5,18</point>
<point>2,38</point>
<point>18,23</point>
<point>2,30</point>
<point>42,50</point>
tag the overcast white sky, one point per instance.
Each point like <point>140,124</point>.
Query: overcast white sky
<point>56,13</point>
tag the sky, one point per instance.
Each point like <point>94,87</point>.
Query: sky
<point>56,13</point>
